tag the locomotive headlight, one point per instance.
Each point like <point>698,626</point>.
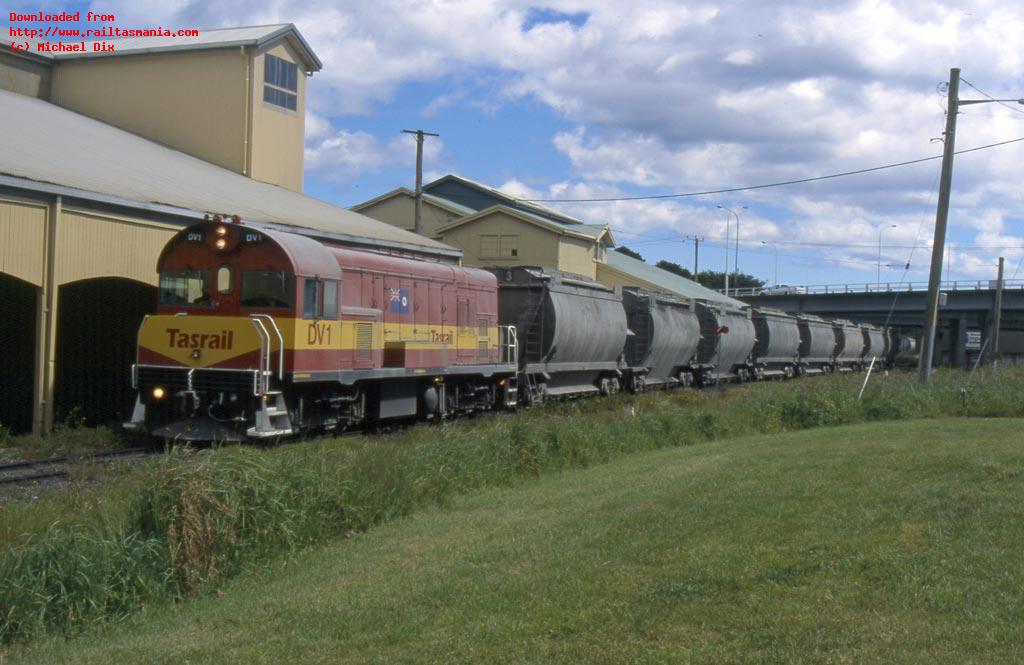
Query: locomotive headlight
<point>221,231</point>
<point>221,244</point>
<point>158,393</point>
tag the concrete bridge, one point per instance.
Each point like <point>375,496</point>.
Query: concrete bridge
<point>965,317</point>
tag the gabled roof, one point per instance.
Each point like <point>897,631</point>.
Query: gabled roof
<point>255,35</point>
<point>50,149</point>
<point>478,196</point>
<point>666,280</point>
<point>592,232</point>
<point>450,206</point>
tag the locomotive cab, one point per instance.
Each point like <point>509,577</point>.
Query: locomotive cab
<point>212,361</point>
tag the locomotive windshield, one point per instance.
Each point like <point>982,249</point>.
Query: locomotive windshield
<point>185,287</point>
<point>268,288</point>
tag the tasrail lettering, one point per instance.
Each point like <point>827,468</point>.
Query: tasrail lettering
<point>182,340</point>
<point>440,337</point>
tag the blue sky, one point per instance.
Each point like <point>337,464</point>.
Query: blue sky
<point>575,99</point>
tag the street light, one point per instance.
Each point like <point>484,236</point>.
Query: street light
<point>737,266</point>
<point>776,248</point>
<point>878,266</point>
<point>931,309</point>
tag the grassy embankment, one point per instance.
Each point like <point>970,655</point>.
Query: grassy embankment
<point>884,542</point>
<point>86,556</point>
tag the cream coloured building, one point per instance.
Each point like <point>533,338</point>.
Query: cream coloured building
<point>233,97</point>
<point>496,229</point>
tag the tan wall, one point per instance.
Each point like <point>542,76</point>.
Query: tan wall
<point>278,134</point>
<point>400,211</point>
<point>537,246</point>
<point>25,77</point>
<point>194,102</point>
<point>610,277</point>
<point>91,245</point>
<point>576,255</point>
<point>22,239</point>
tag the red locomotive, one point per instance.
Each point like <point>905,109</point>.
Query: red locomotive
<point>265,333</point>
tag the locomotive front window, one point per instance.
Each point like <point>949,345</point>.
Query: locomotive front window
<point>268,288</point>
<point>185,287</point>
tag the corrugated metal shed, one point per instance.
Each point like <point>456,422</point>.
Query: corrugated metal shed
<point>666,280</point>
<point>46,144</point>
<point>256,35</point>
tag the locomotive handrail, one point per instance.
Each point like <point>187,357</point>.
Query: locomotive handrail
<point>264,335</point>
<point>280,342</point>
<point>509,345</point>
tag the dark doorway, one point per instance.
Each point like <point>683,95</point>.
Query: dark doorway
<point>17,352</point>
<point>96,332</point>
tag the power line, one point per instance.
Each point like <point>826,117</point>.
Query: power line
<point>990,97</point>
<point>730,190</point>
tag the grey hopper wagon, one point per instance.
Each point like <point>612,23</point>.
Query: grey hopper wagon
<point>875,344</point>
<point>726,344</point>
<point>571,332</point>
<point>850,345</point>
<point>817,344</point>
<point>777,351</point>
<point>662,348</point>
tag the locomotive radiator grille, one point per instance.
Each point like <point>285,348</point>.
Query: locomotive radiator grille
<point>176,378</point>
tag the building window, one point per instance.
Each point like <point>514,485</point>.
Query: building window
<point>495,246</point>
<point>282,82</point>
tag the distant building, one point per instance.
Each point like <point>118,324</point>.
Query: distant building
<point>495,229</point>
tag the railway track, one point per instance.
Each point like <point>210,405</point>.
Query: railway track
<point>57,468</point>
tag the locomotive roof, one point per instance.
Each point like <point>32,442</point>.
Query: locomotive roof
<point>51,149</point>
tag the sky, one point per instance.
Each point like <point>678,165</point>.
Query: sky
<point>576,100</point>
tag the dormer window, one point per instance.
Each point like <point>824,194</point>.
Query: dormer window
<point>281,79</point>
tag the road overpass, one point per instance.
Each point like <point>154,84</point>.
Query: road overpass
<point>968,307</point>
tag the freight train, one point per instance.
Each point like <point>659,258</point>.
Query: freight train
<point>264,334</point>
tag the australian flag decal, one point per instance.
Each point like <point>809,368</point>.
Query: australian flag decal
<point>398,301</point>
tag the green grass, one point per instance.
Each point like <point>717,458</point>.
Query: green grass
<point>184,524</point>
<point>870,543</point>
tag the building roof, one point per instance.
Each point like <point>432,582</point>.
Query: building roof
<point>256,35</point>
<point>478,196</point>
<point>592,232</point>
<point>450,206</point>
<point>51,149</point>
<point>668,281</point>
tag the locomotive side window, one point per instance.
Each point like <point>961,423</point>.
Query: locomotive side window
<point>185,287</point>
<point>225,279</point>
<point>268,288</point>
<point>320,299</point>
<point>330,299</point>
<point>310,298</point>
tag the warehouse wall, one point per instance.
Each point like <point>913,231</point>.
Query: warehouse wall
<point>25,76</point>
<point>400,210</point>
<point>277,134</point>
<point>535,246</point>
<point>194,102</point>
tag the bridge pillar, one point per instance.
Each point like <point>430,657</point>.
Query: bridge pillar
<point>960,343</point>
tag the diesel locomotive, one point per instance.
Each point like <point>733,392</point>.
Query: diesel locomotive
<point>263,334</point>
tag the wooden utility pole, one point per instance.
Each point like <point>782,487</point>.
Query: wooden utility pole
<point>419,133</point>
<point>696,249</point>
<point>931,308</point>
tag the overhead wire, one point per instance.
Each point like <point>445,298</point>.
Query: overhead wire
<point>784,183</point>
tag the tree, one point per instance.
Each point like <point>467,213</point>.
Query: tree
<point>622,249</point>
<point>716,280</point>
<point>674,268</point>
